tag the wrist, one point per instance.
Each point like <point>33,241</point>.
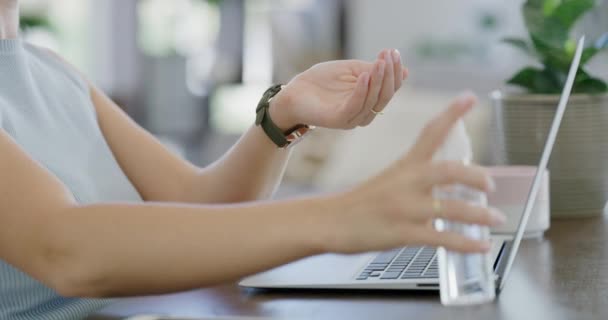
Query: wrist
<point>279,110</point>
<point>326,227</point>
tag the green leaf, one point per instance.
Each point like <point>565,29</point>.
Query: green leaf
<point>571,10</point>
<point>570,47</point>
<point>590,86</point>
<point>590,52</point>
<point>520,44</point>
<point>536,81</point>
<point>537,4</point>
<point>549,6</point>
<point>547,28</point>
<point>585,83</point>
<point>581,75</point>
<point>551,55</point>
<point>524,78</point>
<point>551,21</point>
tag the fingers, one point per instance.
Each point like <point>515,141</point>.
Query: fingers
<point>451,241</point>
<point>359,94</point>
<point>375,85</point>
<point>453,172</point>
<point>383,87</point>
<point>398,69</point>
<point>388,87</point>
<point>368,119</point>
<point>437,130</point>
<point>388,83</point>
<point>360,66</point>
<point>461,211</point>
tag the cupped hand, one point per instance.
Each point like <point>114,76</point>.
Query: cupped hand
<point>396,208</point>
<point>339,94</point>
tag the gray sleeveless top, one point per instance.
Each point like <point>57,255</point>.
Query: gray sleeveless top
<point>46,108</point>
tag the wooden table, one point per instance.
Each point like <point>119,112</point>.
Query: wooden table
<point>563,276</point>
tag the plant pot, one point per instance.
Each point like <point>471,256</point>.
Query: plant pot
<point>579,162</point>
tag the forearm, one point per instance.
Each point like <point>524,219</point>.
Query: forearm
<point>139,249</point>
<point>252,169</point>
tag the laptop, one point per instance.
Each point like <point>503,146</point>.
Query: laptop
<point>411,267</point>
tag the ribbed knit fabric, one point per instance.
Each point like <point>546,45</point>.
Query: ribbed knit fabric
<point>46,108</point>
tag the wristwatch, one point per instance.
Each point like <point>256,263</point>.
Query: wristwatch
<point>280,138</point>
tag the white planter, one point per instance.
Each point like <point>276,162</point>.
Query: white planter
<point>579,162</point>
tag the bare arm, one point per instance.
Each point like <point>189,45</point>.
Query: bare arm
<point>122,249</point>
<point>135,249</point>
<point>251,169</point>
<point>338,94</point>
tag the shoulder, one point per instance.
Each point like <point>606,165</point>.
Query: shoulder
<point>60,64</point>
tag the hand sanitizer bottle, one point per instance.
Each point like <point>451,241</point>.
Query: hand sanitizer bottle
<point>464,279</point>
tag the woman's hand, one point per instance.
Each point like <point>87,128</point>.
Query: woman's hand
<point>339,94</point>
<point>396,207</point>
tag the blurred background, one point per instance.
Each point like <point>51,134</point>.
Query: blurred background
<point>192,71</point>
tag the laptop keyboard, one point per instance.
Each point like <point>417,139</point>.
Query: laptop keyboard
<point>404,263</point>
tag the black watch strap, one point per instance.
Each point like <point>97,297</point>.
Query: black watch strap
<point>263,118</point>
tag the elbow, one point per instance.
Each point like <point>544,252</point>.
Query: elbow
<point>70,270</point>
<point>54,253</point>
<point>73,279</point>
<point>67,288</point>
<point>70,286</point>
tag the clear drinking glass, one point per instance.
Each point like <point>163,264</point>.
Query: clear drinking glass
<point>464,279</point>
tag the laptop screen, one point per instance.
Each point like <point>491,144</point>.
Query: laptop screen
<point>544,160</point>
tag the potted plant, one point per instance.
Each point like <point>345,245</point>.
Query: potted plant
<point>579,163</point>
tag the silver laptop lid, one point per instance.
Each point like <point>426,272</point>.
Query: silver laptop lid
<point>544,160</point>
